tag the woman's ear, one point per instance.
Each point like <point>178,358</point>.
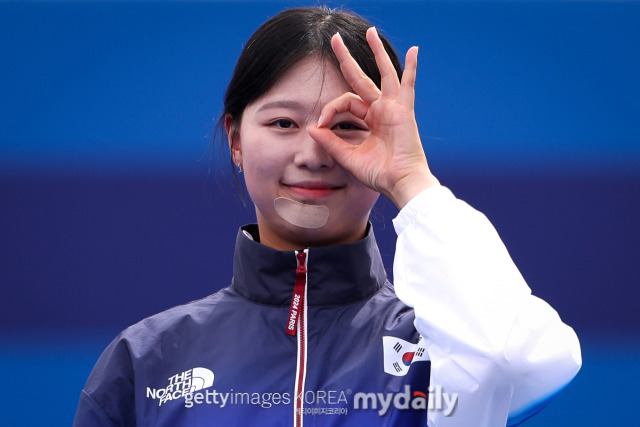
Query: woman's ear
<point>234,141</point>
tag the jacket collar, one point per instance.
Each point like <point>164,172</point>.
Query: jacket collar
<point>336,275</point>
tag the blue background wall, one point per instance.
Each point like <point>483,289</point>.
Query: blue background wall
<point>112,207</point>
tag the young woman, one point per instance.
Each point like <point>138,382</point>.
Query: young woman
<point>320,120</point>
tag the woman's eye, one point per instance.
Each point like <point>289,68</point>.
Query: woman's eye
<point>282,123</point>
<point>347,126</point>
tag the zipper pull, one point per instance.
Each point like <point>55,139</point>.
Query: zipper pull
<point>297,300</point>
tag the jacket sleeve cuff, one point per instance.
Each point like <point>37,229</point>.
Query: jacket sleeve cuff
<point>429,200</point>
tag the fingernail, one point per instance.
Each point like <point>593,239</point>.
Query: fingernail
<point>337,34</point>
<point>320,120</point>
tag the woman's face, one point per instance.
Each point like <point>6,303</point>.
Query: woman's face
<point>280,159</point>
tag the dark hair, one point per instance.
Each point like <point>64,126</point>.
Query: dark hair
<point>287,38</point>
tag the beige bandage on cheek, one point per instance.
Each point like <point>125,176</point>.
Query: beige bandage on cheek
<point>301,214</point>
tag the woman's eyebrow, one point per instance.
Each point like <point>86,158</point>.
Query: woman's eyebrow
<point>288,104</point>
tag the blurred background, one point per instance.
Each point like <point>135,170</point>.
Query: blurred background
<point>114,206</point>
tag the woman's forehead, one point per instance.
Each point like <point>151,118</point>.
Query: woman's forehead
<point>306,82</point>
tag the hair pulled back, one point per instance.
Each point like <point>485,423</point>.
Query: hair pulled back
<point>287,38</point>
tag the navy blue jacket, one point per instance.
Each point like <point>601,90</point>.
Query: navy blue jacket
<point>227,359</point>
<point>319,337</point>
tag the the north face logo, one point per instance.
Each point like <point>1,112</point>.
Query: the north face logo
<point>182,384</point>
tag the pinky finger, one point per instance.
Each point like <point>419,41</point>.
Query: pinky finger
<point>408,84</point>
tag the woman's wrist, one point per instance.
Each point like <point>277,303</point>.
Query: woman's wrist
<point>410,186</point>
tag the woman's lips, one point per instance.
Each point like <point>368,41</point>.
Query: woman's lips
<point>312,190</point>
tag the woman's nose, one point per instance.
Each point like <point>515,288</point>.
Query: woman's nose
<point>311,155</point>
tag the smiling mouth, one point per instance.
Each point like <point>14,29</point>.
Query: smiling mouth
<point>313,190</point>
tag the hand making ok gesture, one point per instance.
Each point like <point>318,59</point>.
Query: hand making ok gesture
<point>391,159</point>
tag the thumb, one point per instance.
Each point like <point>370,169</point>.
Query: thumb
<point>335,146</point>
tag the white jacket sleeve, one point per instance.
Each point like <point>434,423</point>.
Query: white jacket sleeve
<point>504,351</point>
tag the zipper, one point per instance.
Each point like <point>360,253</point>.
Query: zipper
<point>297,323</point>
